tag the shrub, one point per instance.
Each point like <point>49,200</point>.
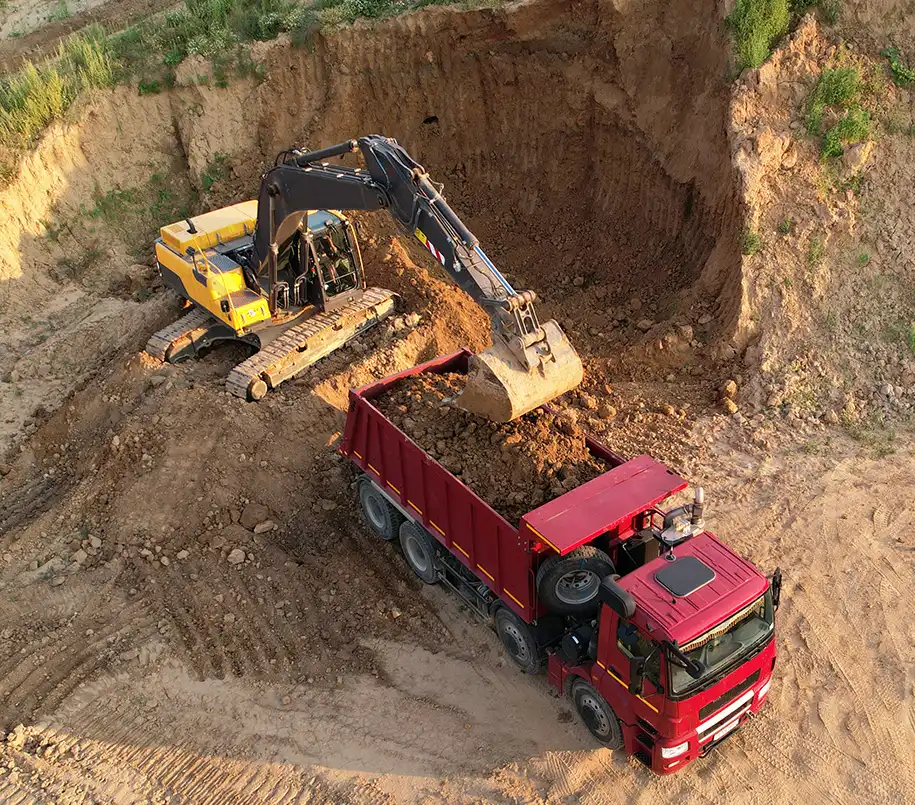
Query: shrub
<point>757,25</point>
<point>751,242</point>
<point>903,75</point>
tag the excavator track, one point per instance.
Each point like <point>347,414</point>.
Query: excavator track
<point>176,334</point>
<point>308,342</point>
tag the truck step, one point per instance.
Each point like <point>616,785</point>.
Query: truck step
<point>308,342</point>
<point>168,339</point>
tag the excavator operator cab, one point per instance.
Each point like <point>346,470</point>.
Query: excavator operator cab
<point>337,260</point>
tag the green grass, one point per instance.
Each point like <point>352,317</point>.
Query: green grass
<point>216,170</point>
<point>785,226</point>
<point>40,94</point>
<point>853,128</point>
<point>757,25</point>
<point>838,89</point>
<point>147,53</point>
<point>902,74</point>
<point>864,258</point>
<point>61,12</point>
<point>751,242</point>
<point>910,341</point>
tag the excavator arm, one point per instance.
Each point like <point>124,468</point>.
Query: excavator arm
<point>529,364</point>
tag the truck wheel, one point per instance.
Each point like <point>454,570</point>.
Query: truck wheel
<point>383,518</point>
<point>518,640</point>
<point>569,584</point>
<point>420,552</point>
<point>598,716</point>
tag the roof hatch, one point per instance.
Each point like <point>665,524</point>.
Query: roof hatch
<point>685,576</point>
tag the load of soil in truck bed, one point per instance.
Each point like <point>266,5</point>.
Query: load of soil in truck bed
<point>514,466</point>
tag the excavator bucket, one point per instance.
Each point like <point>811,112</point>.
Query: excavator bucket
<point>501,388</point>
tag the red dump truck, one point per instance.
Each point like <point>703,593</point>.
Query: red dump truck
<point>662,636</point>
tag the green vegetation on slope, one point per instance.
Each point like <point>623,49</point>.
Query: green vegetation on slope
<point>147,53</point>
<point>757,25</point>
<point>838,90</point>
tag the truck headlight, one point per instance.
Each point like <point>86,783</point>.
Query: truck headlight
<point>764,689</point>
<point>674,751</point>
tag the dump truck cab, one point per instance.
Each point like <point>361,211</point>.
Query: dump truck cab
<point>684,649</point>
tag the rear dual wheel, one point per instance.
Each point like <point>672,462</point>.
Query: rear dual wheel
<point>518,640</point>
<point>378,512</point>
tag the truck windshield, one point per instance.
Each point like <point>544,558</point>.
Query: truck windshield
<point>724,645</point>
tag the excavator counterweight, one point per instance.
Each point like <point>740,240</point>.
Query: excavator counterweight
<point>284,274</point>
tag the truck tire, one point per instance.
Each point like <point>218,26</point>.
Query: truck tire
<point>518,640</point>
<point>597,715</point>
<point>378,512</point>
<point>569,585</point>
<point>419,549</point>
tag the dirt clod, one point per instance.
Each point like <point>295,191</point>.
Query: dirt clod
<point>254,514</point>
<point>236,556</point>
<point>514,466</point>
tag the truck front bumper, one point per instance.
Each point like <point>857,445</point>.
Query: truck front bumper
<point>672,755</point>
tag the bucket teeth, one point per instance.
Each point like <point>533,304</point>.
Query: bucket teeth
<point>304,344</point>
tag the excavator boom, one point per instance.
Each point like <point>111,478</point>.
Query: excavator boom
<point>529,363</point>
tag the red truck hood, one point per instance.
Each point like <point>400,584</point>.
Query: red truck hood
<point>736,583</point>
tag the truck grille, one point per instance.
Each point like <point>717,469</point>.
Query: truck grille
<point>728,696</point>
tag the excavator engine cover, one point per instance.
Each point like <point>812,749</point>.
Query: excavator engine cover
<point>501,388</point>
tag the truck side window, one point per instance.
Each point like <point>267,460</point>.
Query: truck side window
<point>633,643</point>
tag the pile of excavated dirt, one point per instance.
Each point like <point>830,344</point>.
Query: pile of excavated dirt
<point>514,466</point>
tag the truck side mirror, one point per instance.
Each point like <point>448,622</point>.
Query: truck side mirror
<point>615,597</point>
<point>636,675</point>
<point>776,587</point>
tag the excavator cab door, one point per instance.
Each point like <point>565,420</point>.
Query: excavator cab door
<point>338,266</point>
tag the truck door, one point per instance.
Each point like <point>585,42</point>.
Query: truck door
<point>632,642</point>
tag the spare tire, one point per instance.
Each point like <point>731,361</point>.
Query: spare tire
<point>569,585</point>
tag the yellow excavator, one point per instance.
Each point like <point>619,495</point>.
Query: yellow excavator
<point>284,274</point>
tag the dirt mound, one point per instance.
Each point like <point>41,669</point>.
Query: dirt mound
<point>514,466</point>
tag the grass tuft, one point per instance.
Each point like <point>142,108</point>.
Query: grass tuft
<point>903,75</point>
<point>751,242</point>
<point>757,25</point>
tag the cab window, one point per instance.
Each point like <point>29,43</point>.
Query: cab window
<point>632,643</point>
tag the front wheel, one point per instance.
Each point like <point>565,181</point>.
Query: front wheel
<point>597,715</point>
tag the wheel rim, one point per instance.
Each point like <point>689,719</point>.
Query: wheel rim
<point>515,643</point>
<point>592,713</point>
<point>577,586</point>
<point>375,511</point>
<point>416,553</point>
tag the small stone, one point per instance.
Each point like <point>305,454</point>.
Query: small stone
<point>57,581</point>
<point>729,405</point>
<point>705,318</point>
<point>263,527</point>
<point>157,380</point>
<point>165,560</point>
<point>887,390</point>
<point>396,613</point>
<point>645,325</point>
<point>182,555</point>
<point>729,389</point>
<point>229,618</point>
<point>668,410</point>
<point>95,542</point>
<point>328,505</point>
<point>115,442</point>
<point>236,556</point>
<point>606,411</point>
<point>413,319</point>
<point>831,417</point>
<point>578,282</point>
<point>80,556</point>
<point>254,514</point>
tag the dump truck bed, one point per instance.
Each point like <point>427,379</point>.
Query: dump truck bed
<point>499,554</point>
